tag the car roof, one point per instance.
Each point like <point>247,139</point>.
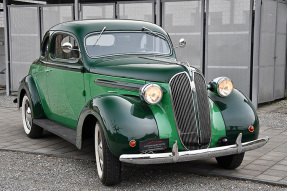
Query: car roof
<point>84,27</point>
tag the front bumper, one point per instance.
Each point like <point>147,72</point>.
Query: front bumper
<point>183,156</point>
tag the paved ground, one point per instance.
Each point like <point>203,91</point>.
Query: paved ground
<point>267,164</point>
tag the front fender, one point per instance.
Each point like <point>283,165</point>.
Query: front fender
<point>28,86</point>
<point>238,114</point>
<point>123,119</point>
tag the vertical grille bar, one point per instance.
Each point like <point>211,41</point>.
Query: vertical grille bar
<point>203,110</point>
<point>183,108</point>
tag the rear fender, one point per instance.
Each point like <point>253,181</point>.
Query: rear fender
<point>28,86</point>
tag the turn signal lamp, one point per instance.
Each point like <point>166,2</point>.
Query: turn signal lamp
<point>251,128</point>
<point>133,143</point>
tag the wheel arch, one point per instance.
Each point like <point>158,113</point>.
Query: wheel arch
<point>28,86</point>
<point>122,118</point>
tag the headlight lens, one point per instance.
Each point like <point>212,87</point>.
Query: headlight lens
<point>151,93</point>
<point>224,87</point>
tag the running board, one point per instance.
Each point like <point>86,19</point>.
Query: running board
<point>62,131</point>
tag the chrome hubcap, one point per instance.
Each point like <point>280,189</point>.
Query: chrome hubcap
<point>100,150</point>
<point>28,117</point>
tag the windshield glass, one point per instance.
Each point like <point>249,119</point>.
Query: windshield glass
<point>126,43</point>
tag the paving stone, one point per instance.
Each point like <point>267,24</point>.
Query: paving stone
<point>251,173</point>
<point>271,158</point>
<point>264,162</point>
<point>277,173</point>
<point>284,181</point>
<point>261,168</point>
<point>280,167</point>
<point>269,178</point>
<point>283,162</point>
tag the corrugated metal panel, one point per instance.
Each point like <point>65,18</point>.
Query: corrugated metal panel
<point>53,15</point>
<point>24,41</point>
<point>136,10</point>
<point>266,53</point>
<point>98,11</point>
<point>183,19</point>
<point>228,41</point>
<point>280,54</point>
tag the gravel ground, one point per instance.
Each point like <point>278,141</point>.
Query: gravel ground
<point>7,101</point>
<point>20,171</point>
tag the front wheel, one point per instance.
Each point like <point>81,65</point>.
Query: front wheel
<point>230,161</point>
<point>32,130</point>
<point>108,165</point>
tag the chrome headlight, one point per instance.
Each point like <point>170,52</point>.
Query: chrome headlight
<point>223,86</point>
<point>151,93</point>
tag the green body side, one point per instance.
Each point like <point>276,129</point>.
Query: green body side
<point>107,88</point>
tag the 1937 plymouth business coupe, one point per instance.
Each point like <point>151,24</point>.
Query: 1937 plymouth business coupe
<point>120,80</point>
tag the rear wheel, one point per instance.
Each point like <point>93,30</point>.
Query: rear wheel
<point>32,130</point>
<point>108,165</point>
<point>230,161</point>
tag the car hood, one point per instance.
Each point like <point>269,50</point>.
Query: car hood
<point>141,68</point>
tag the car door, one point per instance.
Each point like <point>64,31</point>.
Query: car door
<point>39,72</point>
<point>65,81</point>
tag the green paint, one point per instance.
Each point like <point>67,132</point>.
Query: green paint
<point>238,114</point>
<point>217,124</point>
<point>163,114</point>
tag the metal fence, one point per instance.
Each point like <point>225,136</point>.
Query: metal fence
<point>219,33</point>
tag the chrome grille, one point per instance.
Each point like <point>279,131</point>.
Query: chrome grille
<point>184,112</point>
<point>203,110</point>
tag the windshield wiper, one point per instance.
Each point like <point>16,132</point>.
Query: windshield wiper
<point>155,34</point>
<point>100,35</point>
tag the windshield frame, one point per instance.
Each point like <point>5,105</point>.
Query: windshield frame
<point>120,54</point>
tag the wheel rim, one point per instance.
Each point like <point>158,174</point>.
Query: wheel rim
<point>26,115</point>
<point>99,151</point>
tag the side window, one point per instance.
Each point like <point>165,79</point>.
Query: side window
<point>57,51</point>
<point>45,46</point>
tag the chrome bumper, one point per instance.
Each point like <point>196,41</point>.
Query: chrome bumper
<point>183,156</point>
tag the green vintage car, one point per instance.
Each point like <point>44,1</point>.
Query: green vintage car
<point>120,81</point>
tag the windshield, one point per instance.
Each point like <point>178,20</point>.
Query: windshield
<point>126,43</point>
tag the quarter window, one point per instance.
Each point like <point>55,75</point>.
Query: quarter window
<point>57,51</point>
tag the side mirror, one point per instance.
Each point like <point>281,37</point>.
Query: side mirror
<point>182,43</point>
<point>67,47</point>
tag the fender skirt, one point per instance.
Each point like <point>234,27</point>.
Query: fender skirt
<point>28,86</point>
<point>123,119</point>
<point>238,114</point>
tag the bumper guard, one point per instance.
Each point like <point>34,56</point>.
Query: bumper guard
<point>183,156</point>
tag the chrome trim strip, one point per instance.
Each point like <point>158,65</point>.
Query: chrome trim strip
<point>183,156</point>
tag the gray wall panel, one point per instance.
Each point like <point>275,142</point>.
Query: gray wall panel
<point>280,52</point>
<point>24,41</point>
<point>98,11</point>
<point>182,19</point>
<point>136,10</point>
<point>53,15</point>
<point>267,50</point>
<point>228,41</point>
